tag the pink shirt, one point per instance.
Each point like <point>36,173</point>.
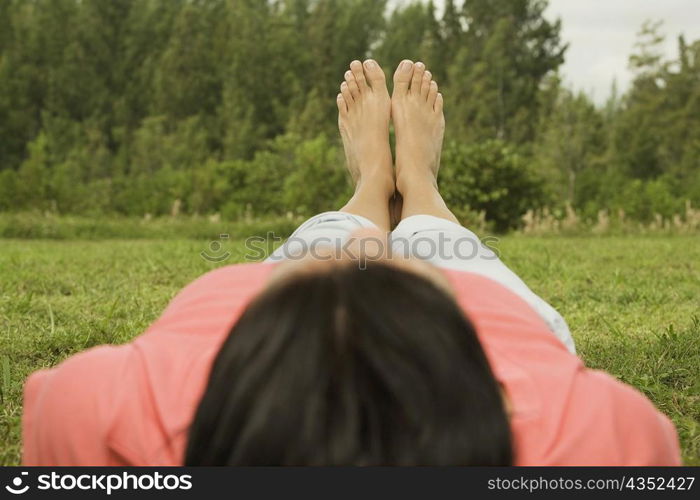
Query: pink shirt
<point>132,404</point>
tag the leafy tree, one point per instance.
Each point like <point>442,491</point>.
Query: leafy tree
<point>406,36</point>
<point>188,80</point>
<point>637,139</point>
<point>140,106</point>
<point>493,82</point>
<point>571,141</point>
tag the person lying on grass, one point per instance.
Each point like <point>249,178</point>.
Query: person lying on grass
<point>352,344</point>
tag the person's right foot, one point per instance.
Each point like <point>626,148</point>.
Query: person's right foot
<point>364,110</point>
<point>419,124</point>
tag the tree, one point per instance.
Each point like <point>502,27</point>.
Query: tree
<point>640,122</point>
<point>405,35</point>
<point>571,141</point>
<point>229,105</point>
<point>188,79</point>
<point>493,83</point>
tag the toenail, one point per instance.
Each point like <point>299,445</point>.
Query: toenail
<point>348,74</point>
<point>370,64</point>
<point>420,65</point>
<point>406,65</point>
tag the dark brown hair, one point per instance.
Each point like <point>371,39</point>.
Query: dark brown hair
<point>351,367</point>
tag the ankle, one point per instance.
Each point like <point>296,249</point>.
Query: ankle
<point>415,180</point>
<point>379,181</point>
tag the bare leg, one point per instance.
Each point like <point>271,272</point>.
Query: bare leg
<point>416,109</point>
<point>364,109</point>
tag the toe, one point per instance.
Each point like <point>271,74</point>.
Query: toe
<point>425,84</point>
<point>438,103</point>
<point>374,74</point>
<point>347,96</point>
<point>402,77</point>
<point>359,74</point>
<point>352,84</point>
<point>432,93</point>
<point>342,107</point>
<point>417,78</point>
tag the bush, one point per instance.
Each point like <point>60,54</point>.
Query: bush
<point>8,190</point>
<point>301,177</point>
<point>489,177</point>
<point>319,181</point>
<point>642,200</point>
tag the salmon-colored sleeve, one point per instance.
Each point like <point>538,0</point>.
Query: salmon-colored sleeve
<point>67,409</point>
<point>610,423</point>
<point>648,437</point>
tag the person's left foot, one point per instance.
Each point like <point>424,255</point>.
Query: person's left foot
<point>364,109</point>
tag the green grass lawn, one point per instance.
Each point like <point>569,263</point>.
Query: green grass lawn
<point>633,304</point>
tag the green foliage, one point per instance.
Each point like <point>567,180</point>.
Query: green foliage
<point>500,60</point>
<point>492,178</point>
<point>638,155</point>
<point>318,180</point>
<point>642,200</point>
<point>8,190</point>
<point>215,106</point>
<point>563,161</point>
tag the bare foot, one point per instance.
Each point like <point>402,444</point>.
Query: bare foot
<point>364,109</point>
<point>416,109</point>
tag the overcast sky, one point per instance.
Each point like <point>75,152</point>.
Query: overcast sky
<point>601,36</point>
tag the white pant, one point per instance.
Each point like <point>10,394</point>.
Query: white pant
<point>435,240</point>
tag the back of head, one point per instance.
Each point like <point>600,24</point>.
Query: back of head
<point>351,367</point>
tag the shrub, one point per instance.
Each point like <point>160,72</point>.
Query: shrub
<point>8,190</point>
<point>642,200</point>
<point>492,178</point>
<point>318,181</point>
